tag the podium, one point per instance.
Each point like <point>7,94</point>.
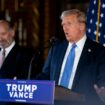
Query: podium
<point>37,92</point>
<point>27,91</point>
<point>65,96</point>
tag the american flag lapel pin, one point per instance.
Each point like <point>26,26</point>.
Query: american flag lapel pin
<point>14,78</point>
<point>89,50</point>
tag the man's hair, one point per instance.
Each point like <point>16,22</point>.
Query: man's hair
<point>9,24</point>
<point>80,15</point>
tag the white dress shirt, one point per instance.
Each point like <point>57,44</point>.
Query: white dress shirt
<point>78,51</point>
<point>8,49</point>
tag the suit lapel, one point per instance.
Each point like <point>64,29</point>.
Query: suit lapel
<point>8,66</point>
<point>10,56</point>
<point>84,60</point>
<point>60,57</point>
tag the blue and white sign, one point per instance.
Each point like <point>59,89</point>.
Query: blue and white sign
<point>27,91</point>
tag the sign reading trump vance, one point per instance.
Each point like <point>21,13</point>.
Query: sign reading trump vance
<point>29,91</point>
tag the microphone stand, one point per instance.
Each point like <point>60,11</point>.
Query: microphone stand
<point>30,68</point>
<point>36,55</point>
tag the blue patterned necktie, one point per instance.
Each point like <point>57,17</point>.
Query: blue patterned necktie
<point>68,67</point>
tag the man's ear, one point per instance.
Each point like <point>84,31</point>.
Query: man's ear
<point>82,26</point>
<point>12,32</point>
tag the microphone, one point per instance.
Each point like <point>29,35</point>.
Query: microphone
<point>53,40</point>
<point>48,43</point>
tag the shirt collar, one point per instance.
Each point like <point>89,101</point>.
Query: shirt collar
<point>8,49</point>
<point>80,43</point>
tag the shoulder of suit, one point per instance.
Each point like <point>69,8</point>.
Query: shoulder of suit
<point>95,44</point>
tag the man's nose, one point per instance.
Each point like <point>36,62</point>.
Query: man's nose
<point>65,28</point>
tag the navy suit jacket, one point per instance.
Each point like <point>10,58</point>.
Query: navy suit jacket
<point>90,69</point>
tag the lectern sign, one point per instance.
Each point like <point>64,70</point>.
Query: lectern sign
<point>29,91</point>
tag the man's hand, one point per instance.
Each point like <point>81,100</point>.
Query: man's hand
<point>101,92</point>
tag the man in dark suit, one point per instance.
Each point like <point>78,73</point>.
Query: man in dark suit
<point>16,60</point>
<point>88,71</point>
